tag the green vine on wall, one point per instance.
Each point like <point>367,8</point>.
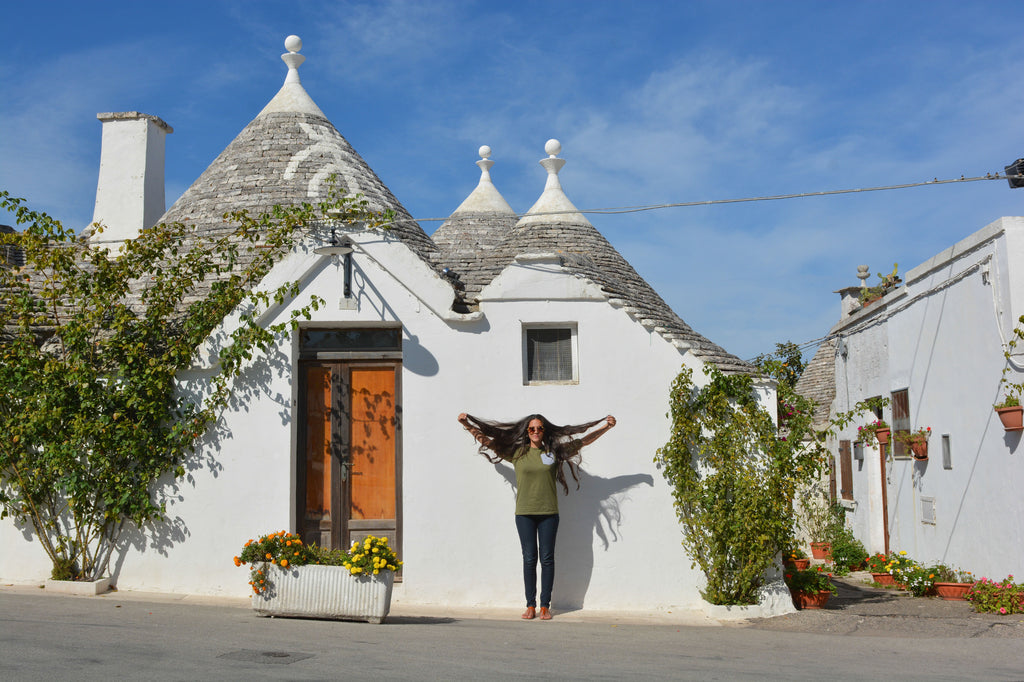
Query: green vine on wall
<point>734,474</point>
<point>91,342</point>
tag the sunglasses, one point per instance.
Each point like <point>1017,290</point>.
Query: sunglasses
<point>536,429</point>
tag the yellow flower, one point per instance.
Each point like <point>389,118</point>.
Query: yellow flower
<point>902,553</point>
<point>375,571</point>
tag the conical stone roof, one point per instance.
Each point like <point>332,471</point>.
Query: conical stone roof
<point>555,225</point>
<point>468,239</point>
<point>285,157</point>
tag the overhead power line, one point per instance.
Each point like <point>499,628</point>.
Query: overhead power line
<point>800,195</point>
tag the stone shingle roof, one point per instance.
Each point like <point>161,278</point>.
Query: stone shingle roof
<point>818,382</point>
<point>285,158</point>
<point>554,225</point>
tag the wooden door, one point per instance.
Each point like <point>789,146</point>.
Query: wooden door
<point>348,468</point>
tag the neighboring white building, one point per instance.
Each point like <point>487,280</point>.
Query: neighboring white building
<point>935,347</point>
<point>349,426</point>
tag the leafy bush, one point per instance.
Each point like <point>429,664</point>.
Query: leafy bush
<point>989,596</point>
<point>733,476</point>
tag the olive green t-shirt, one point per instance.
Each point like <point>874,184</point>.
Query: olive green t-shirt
<point>535,482</point>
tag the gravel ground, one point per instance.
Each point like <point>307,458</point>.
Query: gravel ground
<point>864,611</point>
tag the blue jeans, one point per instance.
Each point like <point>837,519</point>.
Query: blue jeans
<point>534,528</point>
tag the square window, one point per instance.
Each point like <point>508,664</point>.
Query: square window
<point>549,354</point>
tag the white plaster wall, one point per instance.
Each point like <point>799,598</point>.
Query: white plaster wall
<point>944,345</point>
<point>619,543</point>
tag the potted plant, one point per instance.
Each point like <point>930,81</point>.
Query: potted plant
<point>877,429</point>
<point>877,565</point>
<point>795,558</point>
<point>901,567</point>
<point>951,583</point>
<point>992,596</point>
<point>846,551</point>
<point>289,578</point>
<point>821,521</point>
<point>1011,414</point>
<point>811,589</point>
<point>886,283</point>
<point>917,441</point>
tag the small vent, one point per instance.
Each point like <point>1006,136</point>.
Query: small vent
<point>947,452</point>
<point>928,510</point>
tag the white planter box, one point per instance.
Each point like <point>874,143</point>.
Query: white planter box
<point>78,587</point>
<point>326,592</point>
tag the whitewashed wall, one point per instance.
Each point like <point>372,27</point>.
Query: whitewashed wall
<point>619,541</point>
<point>941,336</point>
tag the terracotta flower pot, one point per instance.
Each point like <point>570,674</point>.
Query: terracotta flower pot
<point>920,449</point>
<point>883,436</point>
<point>952,591</point>
<point>811,600</point>
<point>883,578</point>
<point>1011,417</point>
<point>821,550</point>
<point>798,564</point>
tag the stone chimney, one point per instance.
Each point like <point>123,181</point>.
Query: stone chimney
<point>850,296</point>
<point>130,191</point>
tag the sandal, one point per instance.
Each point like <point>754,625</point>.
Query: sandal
<point>531,612</point>
<point>544,613</point>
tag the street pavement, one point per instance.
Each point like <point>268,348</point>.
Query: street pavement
<point>864,633</point>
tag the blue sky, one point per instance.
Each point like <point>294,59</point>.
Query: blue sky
<point>653,103</point>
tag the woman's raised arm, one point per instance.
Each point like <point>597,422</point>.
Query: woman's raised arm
<point>609,422</point>
<point>480,437</point>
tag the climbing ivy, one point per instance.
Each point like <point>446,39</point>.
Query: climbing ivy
<point>92,338</point>
<point>734,472</point>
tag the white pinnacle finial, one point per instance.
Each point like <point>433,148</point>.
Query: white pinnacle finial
<point>293,59</point>
<point>485,152</point>
<point>552,147</point>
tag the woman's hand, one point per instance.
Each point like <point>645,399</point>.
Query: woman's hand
<point>611,421</point>
<point>463,418</point>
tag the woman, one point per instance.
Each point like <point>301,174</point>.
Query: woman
<point>540,452</point>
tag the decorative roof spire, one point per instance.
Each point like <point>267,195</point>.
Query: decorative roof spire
<point>485,198</point>
<point>553,206</point>
<point>292,58</point>
<point>292,97</point>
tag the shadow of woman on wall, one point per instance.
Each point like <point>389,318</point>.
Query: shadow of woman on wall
<point>589,516</point>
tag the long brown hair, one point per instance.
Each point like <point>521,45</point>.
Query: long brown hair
<point>508,440</point>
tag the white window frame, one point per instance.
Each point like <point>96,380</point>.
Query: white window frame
<point>574,349</point>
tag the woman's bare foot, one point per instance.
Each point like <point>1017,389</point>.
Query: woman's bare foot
<point>530,613</point>
<point>544,613</point>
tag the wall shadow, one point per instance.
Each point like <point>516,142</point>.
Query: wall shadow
<point>253,383</point>
<point>595,511</point>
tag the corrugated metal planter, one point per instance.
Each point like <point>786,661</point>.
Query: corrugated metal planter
<point>326,592</point>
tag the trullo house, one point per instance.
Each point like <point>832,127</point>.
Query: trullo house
<point>349,425</point>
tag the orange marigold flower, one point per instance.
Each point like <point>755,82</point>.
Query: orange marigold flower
<point>269,555</point>
<point>284,562</point>
<point>238,562</point>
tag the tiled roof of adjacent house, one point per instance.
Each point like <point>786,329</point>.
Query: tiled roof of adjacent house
<point>554,225</point>
<point>818,382</point>
<point>285,157</point>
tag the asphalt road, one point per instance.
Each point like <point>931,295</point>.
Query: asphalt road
<point>48,637</point>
